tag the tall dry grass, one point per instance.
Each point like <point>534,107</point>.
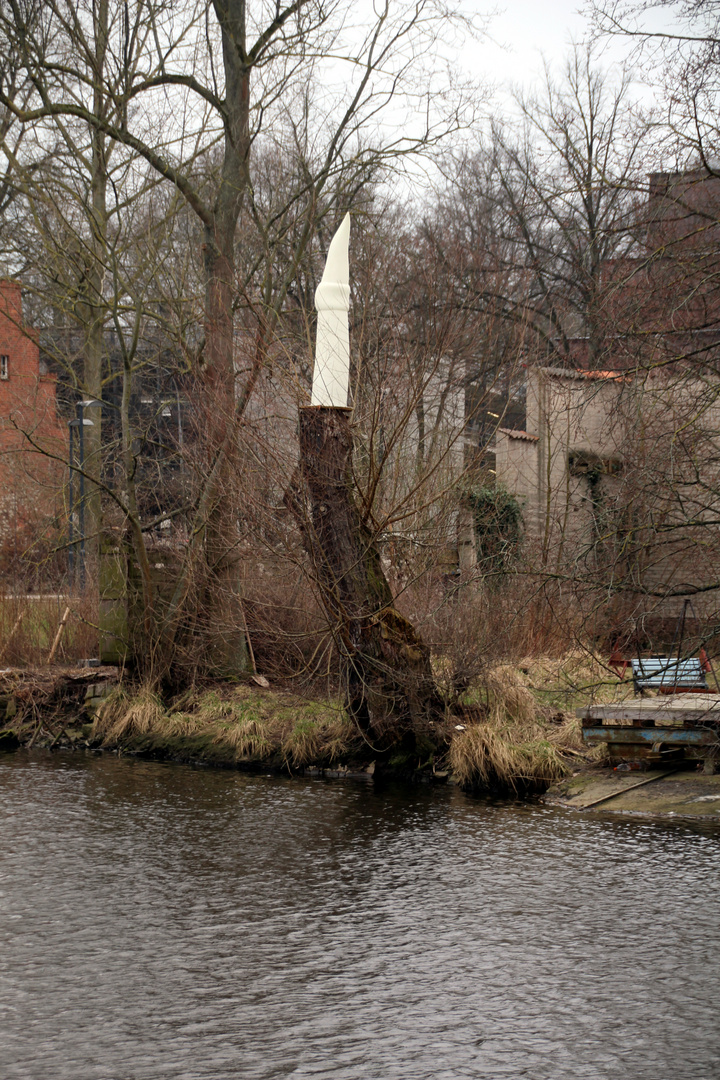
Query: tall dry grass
<point>250,726</point>
<point>128,713</point>
<point>471,625</point>
<point>28,624</point>
<point>512,742</point>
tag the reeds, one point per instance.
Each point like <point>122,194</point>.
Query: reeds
<point>28,624</point>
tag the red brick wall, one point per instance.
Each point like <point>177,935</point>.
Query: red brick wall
<point>32,437</point>
<point>663,303</point>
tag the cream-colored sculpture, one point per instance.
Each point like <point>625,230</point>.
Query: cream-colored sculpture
<point>331,374</point>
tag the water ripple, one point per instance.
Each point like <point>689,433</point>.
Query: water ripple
<point>162,922</point>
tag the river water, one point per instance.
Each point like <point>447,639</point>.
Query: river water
<point>159,921</point>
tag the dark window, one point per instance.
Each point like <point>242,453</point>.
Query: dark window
<point>4,367</point>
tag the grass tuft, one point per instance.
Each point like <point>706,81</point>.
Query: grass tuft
<point>250,738</point>
<point>122,716</point>
<point>515,745</point>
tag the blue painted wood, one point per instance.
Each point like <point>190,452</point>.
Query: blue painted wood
<point>678,736</point>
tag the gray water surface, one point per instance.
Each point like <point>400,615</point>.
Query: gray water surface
<point>158,921</point>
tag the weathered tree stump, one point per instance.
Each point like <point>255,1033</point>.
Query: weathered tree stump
<point>389,685</point>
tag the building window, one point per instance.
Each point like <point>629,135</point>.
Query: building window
<point>4,367</point>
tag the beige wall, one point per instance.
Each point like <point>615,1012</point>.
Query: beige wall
<point>655,449</point>
<point>516,468</point>
<point>568,414</point>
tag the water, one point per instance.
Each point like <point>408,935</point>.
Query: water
<point>162,922</point>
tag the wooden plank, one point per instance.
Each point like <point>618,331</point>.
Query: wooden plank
<point>689,707</point>
<point>643,736</point>
<point>684,794</point>
<point>628,787</point>
<point>660,717</point>
<point>58,635</point>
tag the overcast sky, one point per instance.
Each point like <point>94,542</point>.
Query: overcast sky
<point>523,31</point>
<point>527,28</point>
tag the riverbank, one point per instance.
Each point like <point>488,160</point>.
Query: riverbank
<point>220,725</point>
<point>515,731</point>
<point>657,793</point>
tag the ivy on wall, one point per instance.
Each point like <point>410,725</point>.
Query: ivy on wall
<point>498,522</point>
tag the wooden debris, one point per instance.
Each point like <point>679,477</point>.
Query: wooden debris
<point>58,635</point>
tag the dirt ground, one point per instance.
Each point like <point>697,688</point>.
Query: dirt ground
<point>662,793</point>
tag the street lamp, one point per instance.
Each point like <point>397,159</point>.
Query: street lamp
<point>78,424</point>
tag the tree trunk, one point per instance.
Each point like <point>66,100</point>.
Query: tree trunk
<point>221,604</point>
<point>219,614</point>
<point>93,309</point>
<point>389,685</point>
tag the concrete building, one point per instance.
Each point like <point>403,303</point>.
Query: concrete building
<point>573,443</point>
<point>617,472</point>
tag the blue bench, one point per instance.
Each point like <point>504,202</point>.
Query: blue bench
<point>668,676</point>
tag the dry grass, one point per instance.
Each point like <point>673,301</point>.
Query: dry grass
<point>576,678</point>
<point>28,625</point>
<point>518,744</point>
<point>249,739</point>
<point>252,726</point>
<point>520,731</point>
<point>124,715</point>
<point>512,740</point>
<point>471,625</point>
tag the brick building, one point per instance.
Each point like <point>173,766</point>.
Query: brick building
<point>33,441</point>
<point>660,302</point>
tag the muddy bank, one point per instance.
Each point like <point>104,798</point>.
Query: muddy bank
<point>44,706</point>
<point>501,739</point>
<point>246,727</point>
<point>656,793</point>
<point>262,729</point>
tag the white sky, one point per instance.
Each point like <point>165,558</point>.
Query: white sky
<point>523,31</point>
<point>526,28</point>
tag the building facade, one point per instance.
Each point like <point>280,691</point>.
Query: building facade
<point>617,471</point>
<point>33,441</point>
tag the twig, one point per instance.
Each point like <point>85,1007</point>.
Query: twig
<point>648,780</point>
<point>36,732</point>
<point>59,735</point>
<point>247,637</point>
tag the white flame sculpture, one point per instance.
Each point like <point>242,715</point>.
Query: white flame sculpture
<point>331,374</point>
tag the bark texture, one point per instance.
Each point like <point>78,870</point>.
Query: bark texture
<point>389,684</point>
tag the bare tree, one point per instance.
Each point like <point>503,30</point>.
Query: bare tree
<point>676,41</point>
<point>153,85</point>
<point>541,210</point>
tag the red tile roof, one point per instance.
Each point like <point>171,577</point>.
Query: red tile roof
<point>518,434</point>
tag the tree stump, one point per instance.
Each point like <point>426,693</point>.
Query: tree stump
<point>388,681</point>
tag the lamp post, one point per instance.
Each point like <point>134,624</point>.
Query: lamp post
<point>78,424</point>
